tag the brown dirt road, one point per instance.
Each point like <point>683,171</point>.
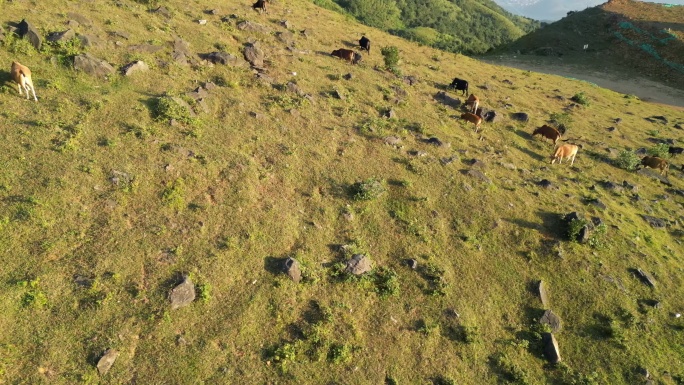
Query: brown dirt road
<point>645,89</point>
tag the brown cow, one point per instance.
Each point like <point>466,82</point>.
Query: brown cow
<point>548,132</point>
<point>655,162</point>
<point>472,118</point>
<point>347,54</point>
<point>473,101</point>
<point>563,152</point>
<point>260,5</point>
<point>22,76</point>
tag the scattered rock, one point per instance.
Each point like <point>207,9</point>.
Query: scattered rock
<point>491,117</point>
<point>294,88</point>
<point>120,178</point>
<point>163,11</point>
<point>133,67</point>
<point>145,48</point>
<point>79,18</point>
<point>617,120</point>
<point>220,58</point>
<point>202,22</point>
<point>506,81</point>
<point>348,76</point>
<point>655,222</point>
<point>520,116</point>
<point>412,263</point>
<point>286,37</point>
<point>657,119</point>
<point>183,294</point>
<point>339,95</point>
<point>292,269</point>
<point>254,55</point>
<point>552,320</point>
<point>509,166</point>
<point>679,126</point>
<point>478,175</point>
<point>545,183</point>
<point>543,294</point>
<point>649,172</point>
<point>121,34</point>
<point>390,114</point>
<point>434,141</point>
<point>448,160</point>
<point>595,202</point>
<point>27,31</point>
<point>611,129</point>
<point>286,24</point>
<point>478,164</point>
<point>608,185</point>
<point>83,281</point>
<point>551,350</point>
<point>253,27</point>
<point>211,11</point>
<point>448,100</point>
<point>61,36</point>
<point>72,24</point>
<point>106,361</point>
<point>645,277</point>
<point>358,265</point>
<point>92,65</point>
<point>198,94</point>
<point>393,141</point>
<point>410,80</point>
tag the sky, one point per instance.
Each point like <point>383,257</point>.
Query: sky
<point>552,10</point>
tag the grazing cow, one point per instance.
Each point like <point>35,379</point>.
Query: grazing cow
<point>655,162</point>
<point>347,54</point>
<point>675,150</point>
<point>473,101</point>
<point>260,5</point>
<point>563,152</point>
<point>548,132</point>
<point>365,44</point>
<point>472,118</point>
<point>22,76</point>
<point>460,85</point>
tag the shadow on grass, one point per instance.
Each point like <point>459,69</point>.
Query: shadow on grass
<point>274,265</point>
<point>351,44</point>
<point>551,225</point>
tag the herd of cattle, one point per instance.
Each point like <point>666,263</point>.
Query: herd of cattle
<point>21,75</point>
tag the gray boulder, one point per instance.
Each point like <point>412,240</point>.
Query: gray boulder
<point>358,265</point>
<point>106,361</point>
<point>543,294</point>
<point>253,27</point>
<point>220,58</point>
<point>654,222</point>
<point>552,320</point>
<point>183,294</point>
<point>28,31</point>
<point>92,65</point>
<point>292,269</point>
<point>551,350</point>
<point>520,116</point>
<point>133,67</point>
<point>254,55</point>
<point>61,36</point>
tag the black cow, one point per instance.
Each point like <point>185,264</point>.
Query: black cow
<point>365,44</point>
<point>675,150</point>
<point>460,85</point>
<point>260,5</point>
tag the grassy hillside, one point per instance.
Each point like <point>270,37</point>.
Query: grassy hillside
<point>106,205</point>
<point>461,26</point>
<point>626,35</point>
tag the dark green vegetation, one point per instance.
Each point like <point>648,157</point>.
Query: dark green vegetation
<point>105,205</point>
<point>463,26</point>
<point>628,36</point>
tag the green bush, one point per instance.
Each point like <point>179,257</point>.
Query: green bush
<point>627,160</point>
<point>391,56</point>
<point>169,108</point>
<point>580,98</point>
<point>661,150</point>
<point>367,190</point>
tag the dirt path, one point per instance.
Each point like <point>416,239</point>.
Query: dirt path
<point>644,89</point>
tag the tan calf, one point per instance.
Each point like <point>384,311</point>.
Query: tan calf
<point>473,101</point>
<point>656,163</point>
<point>563,152</point>
<point>22,76</point>
<point>472,118</point>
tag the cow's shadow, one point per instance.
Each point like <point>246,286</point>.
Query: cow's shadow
<point>351,44</point>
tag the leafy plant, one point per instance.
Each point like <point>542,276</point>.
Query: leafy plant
<point>661,150</point>
<point>386,282</point>
<point>575,228</point>
<point>581,98</point>
<point>367,190</point>
<point>34,296</point>
<point>562,121</point>
<point>509,370</point>
<point>174,194</point>
<point>627,160</point>
<point>167,108</point>
<point>340,353</point>
<point>390,55</point>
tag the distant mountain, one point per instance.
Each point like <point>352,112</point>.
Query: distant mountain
<point>633,35</point>
<point>465,26</point>
<point>551,10</point>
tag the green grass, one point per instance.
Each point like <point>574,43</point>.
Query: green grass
<point>105,204</point>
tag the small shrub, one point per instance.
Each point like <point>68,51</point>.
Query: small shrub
<point>580,98</point>
<point>367,190</point>
<point>386,282</point>
<point>174,194</point>
<point>562,121</point>
<point>509,370</point>
<point>627,160</point>
<point>340,353</point>
<point>33,297</point>
<point>441,380</point>
<point>390,55</point>
<point>575,228</point>
<point>169,108</point>
<point>597,239</point>
<point>283,355</point>
<point>428,328</point>
<point>660,150</point>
